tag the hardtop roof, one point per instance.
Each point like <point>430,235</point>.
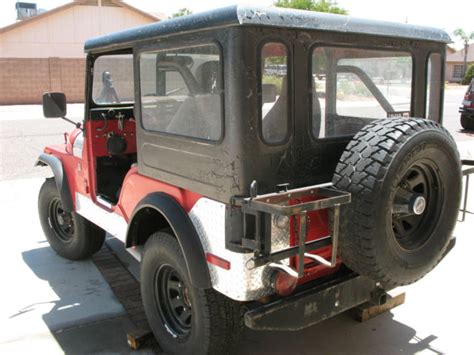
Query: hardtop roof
<point>268,17</point>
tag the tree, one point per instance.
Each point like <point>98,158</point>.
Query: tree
<point>466,38</point>
<point>312,5</point>
<point>182,12</point>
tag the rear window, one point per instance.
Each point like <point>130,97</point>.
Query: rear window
<point>352,87</point>
<point>274,104</point>
<point>181,91</point>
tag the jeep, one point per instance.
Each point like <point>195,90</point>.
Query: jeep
<point>268,168</point>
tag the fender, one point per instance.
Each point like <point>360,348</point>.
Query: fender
<point>61,179</point>
<point>179,221</point>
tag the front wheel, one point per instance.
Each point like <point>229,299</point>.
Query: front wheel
<point>69,234</point>
<point>184,319</point>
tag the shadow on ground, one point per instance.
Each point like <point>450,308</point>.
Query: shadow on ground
<point>341,335</point>
<point>85,317</point>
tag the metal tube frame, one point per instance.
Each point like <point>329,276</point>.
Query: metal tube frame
<point>466,173</point>
<point>277,203</point>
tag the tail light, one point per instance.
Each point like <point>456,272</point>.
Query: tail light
<point>283,283</point>
<point>469,99</point>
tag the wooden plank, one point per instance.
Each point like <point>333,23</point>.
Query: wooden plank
<point>138,337</point>
<point>367,310</point>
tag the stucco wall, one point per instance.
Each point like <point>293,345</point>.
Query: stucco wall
<point>63,34</point>
<point>450,71</point>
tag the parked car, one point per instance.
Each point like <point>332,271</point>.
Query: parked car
<point>467,109</point>
<point>275,218</point>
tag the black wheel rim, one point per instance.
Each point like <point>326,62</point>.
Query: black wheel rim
<point>417,205</point>
<point>173,301</point>
<point>61,221</point>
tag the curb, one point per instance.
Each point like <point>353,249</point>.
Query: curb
<point>466,149</point>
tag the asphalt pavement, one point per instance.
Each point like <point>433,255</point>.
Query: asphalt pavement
<point>51,305</point>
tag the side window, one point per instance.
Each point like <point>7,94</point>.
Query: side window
<point>351,87</point>
<point>433,87</point>
<point>113,79</point>
<point>274,92</point>
<point>181,91</point>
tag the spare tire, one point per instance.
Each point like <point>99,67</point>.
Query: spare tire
<point>405,179</point>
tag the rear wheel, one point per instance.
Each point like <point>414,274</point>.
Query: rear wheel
<point>184,319</point>
<point>69,234</point>
<point>405,179</point>
<point>467,122</point>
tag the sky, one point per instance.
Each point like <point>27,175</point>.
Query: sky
<point>446,15</point>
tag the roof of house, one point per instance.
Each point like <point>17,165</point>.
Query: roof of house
<point>267,16</point>
<point>45,14</point>
<point>459,55</point>
<point>450,49</point>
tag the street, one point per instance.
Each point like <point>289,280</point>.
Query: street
<point>51,305</point>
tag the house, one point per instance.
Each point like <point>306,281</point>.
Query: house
<point>455,63</point>
<point>45,52</point>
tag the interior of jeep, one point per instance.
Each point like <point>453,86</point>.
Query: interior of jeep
<point>111,124</point>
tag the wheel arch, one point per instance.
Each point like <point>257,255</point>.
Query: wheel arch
<point>158,211</point>
<point>59,177</point>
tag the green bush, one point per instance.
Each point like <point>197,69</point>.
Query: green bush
<point>352,90</point>
<point>274,80</point>
<point>468,76</point>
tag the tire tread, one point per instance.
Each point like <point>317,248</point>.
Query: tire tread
<point>361,171</point>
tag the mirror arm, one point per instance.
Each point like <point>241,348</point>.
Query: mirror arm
<point>77,124</point>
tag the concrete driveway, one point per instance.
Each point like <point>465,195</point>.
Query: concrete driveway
<point>51,305</point>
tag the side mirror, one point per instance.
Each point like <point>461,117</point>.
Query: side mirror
<point>54,105</point>
<point>269,93</point>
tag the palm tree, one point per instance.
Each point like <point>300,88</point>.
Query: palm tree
<point>466,39</point>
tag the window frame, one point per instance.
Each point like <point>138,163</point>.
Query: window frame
<point>427,83</point>
<point>90,63</point>
<point>313,47</point>
<point>173,45</point>
<point>289,88</point>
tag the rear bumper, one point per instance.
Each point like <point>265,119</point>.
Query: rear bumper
<point>467,112</point>
<point>309,307</point>
<point>313,305</point>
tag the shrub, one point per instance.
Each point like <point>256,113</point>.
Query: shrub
<point>468,76</point>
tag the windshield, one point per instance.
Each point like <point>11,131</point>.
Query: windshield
<point>113,79</point>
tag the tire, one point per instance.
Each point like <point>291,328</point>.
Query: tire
<point>69,234</point>
<point>212,323</point>
<point>387,233</point>
<point>467,122</point>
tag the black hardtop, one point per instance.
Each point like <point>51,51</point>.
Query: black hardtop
<point>269,17</point>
